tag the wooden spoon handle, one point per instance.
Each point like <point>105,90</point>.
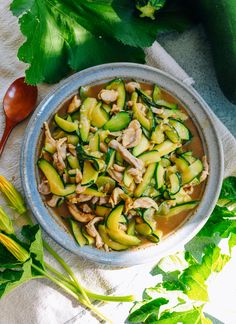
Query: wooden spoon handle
<point>7,131</point>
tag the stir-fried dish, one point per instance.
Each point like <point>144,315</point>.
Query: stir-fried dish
<point>123,164</point>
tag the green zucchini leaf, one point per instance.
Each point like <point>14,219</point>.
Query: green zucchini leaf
<point>140,314</point>
<point>7,260</point>
<point>10,279</point>
<point>73,35</point>
<point>34,235</point>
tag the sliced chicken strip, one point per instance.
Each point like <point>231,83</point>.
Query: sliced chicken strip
<point>79,215</point>
<point>127,156</point>
<point>53,201</point>
<point>132,135</point>
<point>44,188</point>
<point>91,229</point>
<point>145,202</point>
<point>48,136</point>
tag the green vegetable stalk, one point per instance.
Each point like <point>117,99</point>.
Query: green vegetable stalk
<point>23,257</point>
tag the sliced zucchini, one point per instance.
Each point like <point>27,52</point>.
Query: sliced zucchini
<point>73,162</point>
<point>106,239</point>
<point>75,115</point>
<point>110,157</point>
<point>99,116</point>
<point>94,142</point>
<point>123,238</point>
<point>158,135</point>
<point>127,178</point>
<point>118,122</point>
<point>131,227</point>
<point>148,218</point>
<point>165,162</point>
<point>114,218</point>
<point>156,94</point>
<point>103,180</point>
<point>90,239</point>
<point>182,207</point>
<point>66,125</point>
<point>166,104</point>
<point>151,192</point>
<point>71,138</point>
<point>77,232</point>
<point>119,86</point>
<point>106,107</point>
<point>150,157</point>
<point>90,175</point>
<point>146,180</point>
<point>182,164</point>
<point>166,147</point>
<point>188,157</point>
<point>144,121</point>
<point>183,132</point>
<point>159,102</point>
<point>119,159</point>
<point>83,156</point>
<point>175,183</point>
<point>85,117</point>
<point>142,146</point>
<point>172,134</point>
<point>93,192</point>
<point>193,171</point>
<point>160,176</point>
<point>102,211</point>
<point>55,182</point>
<point>143,229</point>
<point>83,92</point>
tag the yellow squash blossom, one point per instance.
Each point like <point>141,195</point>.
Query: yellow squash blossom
<point>13,196</point>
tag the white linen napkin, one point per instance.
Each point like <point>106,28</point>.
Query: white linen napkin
<point>37,302</point>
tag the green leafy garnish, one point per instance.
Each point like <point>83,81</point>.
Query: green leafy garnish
<point>185,275</point>
<point>73,35</point>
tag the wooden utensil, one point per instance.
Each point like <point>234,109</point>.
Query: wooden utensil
<point>18,103</point>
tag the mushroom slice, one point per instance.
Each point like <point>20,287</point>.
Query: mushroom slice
<point>91,229</point>
<point>79,215</point>
<point>132,135</point>
<point>127,156</point>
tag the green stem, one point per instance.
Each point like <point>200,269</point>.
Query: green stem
<point>68,270</point>
<point>70,290</point>
<point>128,298</point>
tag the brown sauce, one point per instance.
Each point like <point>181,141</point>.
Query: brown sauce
<point>166,224</point>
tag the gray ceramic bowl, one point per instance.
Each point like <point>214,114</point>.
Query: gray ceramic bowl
<point>197,109</point>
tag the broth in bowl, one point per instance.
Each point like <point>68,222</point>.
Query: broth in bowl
<point>122,164</point>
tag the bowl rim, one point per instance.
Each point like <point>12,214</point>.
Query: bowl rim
<point>60,94</point>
